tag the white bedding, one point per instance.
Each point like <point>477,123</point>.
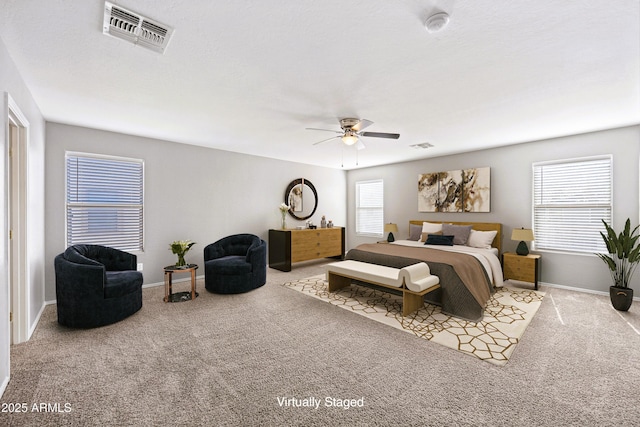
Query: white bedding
<point>487,257</point>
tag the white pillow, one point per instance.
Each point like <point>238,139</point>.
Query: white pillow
<point>481,239</point>
<point>431,227</point>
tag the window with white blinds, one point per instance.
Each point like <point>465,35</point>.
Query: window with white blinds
<point>104,201</point>
<point>570,200</point>
<point>370,208</point>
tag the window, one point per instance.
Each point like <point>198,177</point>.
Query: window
<point>369,208</point>
<point>570,200</point>
<point>104,201</point>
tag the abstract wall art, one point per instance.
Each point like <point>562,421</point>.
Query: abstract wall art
<point>464,190</point>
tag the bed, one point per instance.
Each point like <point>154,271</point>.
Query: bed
<point>469,272</point>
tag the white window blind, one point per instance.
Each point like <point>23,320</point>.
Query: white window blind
<point>104,201</point>
<point>571,198</point>
<point>370,208</point>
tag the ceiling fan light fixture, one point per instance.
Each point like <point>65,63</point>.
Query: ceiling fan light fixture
<point>350,138</point>
<point>436,22</point>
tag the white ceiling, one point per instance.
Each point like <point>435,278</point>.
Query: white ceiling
<point>249,76</point>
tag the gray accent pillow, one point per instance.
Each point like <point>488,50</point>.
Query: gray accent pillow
<point>460,233</point>
<point>415,231</point>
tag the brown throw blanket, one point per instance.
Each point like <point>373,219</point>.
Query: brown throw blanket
<point>465,284</point>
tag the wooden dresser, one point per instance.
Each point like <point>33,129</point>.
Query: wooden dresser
<point>290,246</point>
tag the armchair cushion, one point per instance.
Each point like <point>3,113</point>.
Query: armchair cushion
<point>121,283</point>
<point>229,265</point>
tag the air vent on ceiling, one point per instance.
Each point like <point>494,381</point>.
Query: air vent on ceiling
<point>135,28</point>
<point>420,146</point>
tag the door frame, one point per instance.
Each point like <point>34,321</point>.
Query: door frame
<point>18,138</point>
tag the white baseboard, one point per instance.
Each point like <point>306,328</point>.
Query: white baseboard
<point>3,386</point>
<point>586,291</point>
<point>32,329</point>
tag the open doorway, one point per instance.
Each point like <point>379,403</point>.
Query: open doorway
<point>17,184</point>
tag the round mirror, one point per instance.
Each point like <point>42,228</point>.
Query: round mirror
<point>302,198</point>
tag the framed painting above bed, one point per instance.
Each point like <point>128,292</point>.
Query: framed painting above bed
<point>463,190</point>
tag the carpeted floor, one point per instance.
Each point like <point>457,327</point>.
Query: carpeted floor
<point>493,339</point>
<point>263,357</point>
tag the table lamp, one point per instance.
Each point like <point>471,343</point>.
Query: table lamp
<point>390,228</point>
<point>524,235</point>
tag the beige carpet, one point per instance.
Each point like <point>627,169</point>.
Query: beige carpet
<point>507,315</point>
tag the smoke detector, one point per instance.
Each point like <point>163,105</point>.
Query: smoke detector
<point>135,28</point>
<point>436,22</point>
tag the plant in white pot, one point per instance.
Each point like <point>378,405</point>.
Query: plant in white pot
<point>622,259</point>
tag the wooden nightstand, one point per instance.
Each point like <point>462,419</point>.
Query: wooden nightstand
<point>521,267</point>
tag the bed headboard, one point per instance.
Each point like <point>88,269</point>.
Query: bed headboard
<point>479,226</point>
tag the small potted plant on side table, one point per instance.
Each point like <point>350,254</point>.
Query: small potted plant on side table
<point>622,259</point>
<point>180,248</point>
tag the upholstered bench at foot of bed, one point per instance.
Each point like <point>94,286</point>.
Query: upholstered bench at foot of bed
<point>414,280</point>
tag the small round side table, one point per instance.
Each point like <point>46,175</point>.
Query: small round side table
<point>169,296</point>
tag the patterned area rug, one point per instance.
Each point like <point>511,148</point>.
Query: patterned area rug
<point>493,339</point>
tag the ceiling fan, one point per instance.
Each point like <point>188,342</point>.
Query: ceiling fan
<point>352,130</point>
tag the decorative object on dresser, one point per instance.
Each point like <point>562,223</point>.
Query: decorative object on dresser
<point>302,198</point>
<point>290,246</point>
<point>284,208</point>
<point>464,190</point>
<point>622,259</point>
<point>390,228</point>
<point>524,235</point>
<point>525,268</point>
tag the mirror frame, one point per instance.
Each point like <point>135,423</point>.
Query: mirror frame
<point>290,187</point>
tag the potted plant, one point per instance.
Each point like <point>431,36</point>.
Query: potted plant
<point>180,248</point>
<point>622,259</point>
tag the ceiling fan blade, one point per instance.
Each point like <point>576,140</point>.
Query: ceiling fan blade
<point>360,145</point>
<point>381,135</point>
<point>363,123</point>
<point>325,140</point>
<point>325,130</point>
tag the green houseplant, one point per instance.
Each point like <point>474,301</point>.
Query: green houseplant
<point>180,248</point>
<point>622,259</point>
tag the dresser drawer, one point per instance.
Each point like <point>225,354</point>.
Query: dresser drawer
<point>312,244</point>
<point>524,271</point>
<point>290,246</point>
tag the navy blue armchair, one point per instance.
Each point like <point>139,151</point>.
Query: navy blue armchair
<point>96,286</point>
<point>235,264</point>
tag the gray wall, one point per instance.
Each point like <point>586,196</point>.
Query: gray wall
<point>191,192</point>
<point>511,194</point>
